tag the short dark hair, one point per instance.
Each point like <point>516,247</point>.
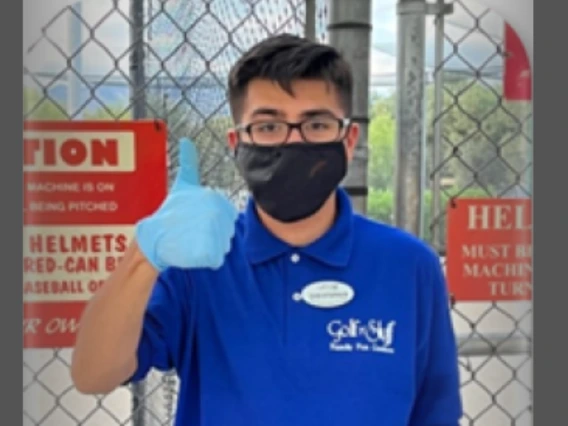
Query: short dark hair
<point>285,58</point>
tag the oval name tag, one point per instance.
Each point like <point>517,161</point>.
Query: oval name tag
<point>326,294</point>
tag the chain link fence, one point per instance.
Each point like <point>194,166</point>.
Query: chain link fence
<point>169,59</point>
<point>481,146</point>
<point>165,59</point>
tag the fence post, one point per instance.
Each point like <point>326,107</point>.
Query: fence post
<point>410,116</point>
<point>437,142</point>
<point>137,74</point>
<point>350,27</point>
<point>75,39</point>
<point>138,99</point>
<point>310,23</point>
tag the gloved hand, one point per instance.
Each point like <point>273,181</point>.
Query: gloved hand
<point>193,227</point>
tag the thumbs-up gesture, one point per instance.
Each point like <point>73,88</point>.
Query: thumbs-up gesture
<point>194,225</point>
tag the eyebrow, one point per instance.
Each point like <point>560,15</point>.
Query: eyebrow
<point>267,111</point>
<point>316,112</point>
<point>279,113</point>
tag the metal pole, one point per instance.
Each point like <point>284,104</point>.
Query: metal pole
<point>437,142</point>
<point>350,32</point>
<point>138,96</point>
<point>310,23</point>
<point>137,75</point>
<point>75,40</point>
<point>410,114</point>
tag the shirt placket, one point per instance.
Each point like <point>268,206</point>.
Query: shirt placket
<point>296,316</point>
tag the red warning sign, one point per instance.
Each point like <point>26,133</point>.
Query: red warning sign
<point>489,249</point>
<point>86,184</point>
<point>517,78</point>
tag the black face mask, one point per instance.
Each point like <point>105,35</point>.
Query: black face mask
<point>291,182</point>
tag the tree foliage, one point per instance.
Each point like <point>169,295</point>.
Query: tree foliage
<point>485,149</point>
<point>39,107</point>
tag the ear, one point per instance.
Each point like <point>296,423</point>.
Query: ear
<point>232,139</point>
<point>351,140</point>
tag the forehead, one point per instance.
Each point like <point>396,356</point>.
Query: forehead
<point>306,95</point>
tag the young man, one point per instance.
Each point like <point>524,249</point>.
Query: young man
<point>298,312</point>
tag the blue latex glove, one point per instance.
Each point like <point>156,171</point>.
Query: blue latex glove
<point>193,227</point>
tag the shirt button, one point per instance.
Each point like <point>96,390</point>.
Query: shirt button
<point>295,258</point>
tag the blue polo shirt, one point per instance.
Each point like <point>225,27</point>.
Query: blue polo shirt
<point>254,346</point>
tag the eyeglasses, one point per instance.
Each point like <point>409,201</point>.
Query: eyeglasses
<point>313,130</point>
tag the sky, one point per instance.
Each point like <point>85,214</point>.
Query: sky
<point>113,34</point>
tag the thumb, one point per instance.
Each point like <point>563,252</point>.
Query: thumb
<point>188,171</point>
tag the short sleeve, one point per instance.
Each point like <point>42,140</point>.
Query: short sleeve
<point>165,322</point>
<point>438,400</point>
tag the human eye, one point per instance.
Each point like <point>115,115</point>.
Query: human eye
<point>320,124</point>
<point>267,127</point>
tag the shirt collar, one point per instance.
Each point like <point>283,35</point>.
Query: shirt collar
<point>333,248</point>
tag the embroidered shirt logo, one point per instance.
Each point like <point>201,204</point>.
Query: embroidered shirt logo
<point>354,335</point>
